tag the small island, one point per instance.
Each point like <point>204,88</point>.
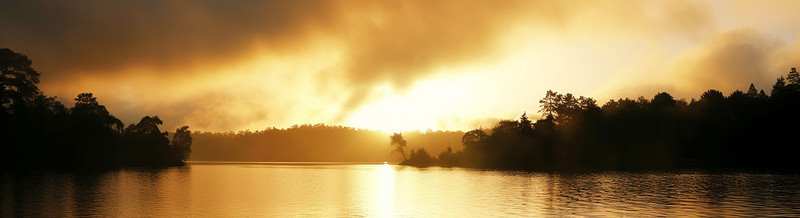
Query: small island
<point>38,131</point>
<point>743,130</point>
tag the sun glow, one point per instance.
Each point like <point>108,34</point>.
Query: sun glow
<point>418,109</point>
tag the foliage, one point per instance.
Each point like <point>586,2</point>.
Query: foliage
<point>399,144</point>
<point>39,131</point>
<point>182,142</point>
<point>17,81</point>
<point>314,142</point>
<point>419,157</point>
<point>742,130</point>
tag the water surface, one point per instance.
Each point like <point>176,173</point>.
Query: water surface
<point>284,189</point>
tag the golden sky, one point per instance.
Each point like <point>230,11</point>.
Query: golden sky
<point>391,65</point>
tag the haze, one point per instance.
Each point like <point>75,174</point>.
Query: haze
<point>390,65</point>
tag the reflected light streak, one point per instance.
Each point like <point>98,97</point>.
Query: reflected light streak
<point>384,195</point>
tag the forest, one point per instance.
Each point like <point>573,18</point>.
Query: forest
<point>38,131</point>
<point>740,130</point>
<point>311,143</point>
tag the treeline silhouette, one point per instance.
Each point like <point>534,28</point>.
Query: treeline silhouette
<point>310,143</point>
<point>741,130</point>
<point>38,131</point>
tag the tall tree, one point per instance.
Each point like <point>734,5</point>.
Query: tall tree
<point>549,104</point>
<point>182,142</point>
<point>399,144</point>
<point>663,100</point>
<point>712,96</point>
<point>779,87</point>
<point>88,109</point>
<point>18,80</point>
<point>144,144</point>
<point>752,92</point>
<point>793,78</point>
<point>472,140</point>
<point>525,124</point>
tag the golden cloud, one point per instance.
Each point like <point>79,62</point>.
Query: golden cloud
<point>221,65</point>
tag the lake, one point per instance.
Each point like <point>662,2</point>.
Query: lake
<point>308,189</point>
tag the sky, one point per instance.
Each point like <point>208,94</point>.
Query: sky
<point>391,65</point>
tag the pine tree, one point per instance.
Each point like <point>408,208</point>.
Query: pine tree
<point>525,124</point>
<point>793,78</point>
<point>752,92</point>
<point>549,104</point>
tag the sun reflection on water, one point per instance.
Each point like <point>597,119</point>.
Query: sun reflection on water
<point>383,202</point>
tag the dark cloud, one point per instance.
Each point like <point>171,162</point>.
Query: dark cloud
<point>105,36</point>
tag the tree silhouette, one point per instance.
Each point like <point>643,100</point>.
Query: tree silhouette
<point>181,142</point>
<point>780,87</point>
<point>38,131</point>
<point>145,144</point>
<point>17,81</point>
<point>88,109</point>
<point>740,130</point>
<point>712,96</point>
<point>549,104</point>
<point>752,92</point>
<point>399,144</point>
<point>419,157</point>
<point>525,124</point>
<point>663,100</point>
<point>793,78</point>
<point>472,140</point>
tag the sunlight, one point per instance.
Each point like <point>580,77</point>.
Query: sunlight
<point>416,110</point>
<point>411,108</point>
<point>384,197</point>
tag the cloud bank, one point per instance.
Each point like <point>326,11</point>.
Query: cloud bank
<point>229,65</point>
